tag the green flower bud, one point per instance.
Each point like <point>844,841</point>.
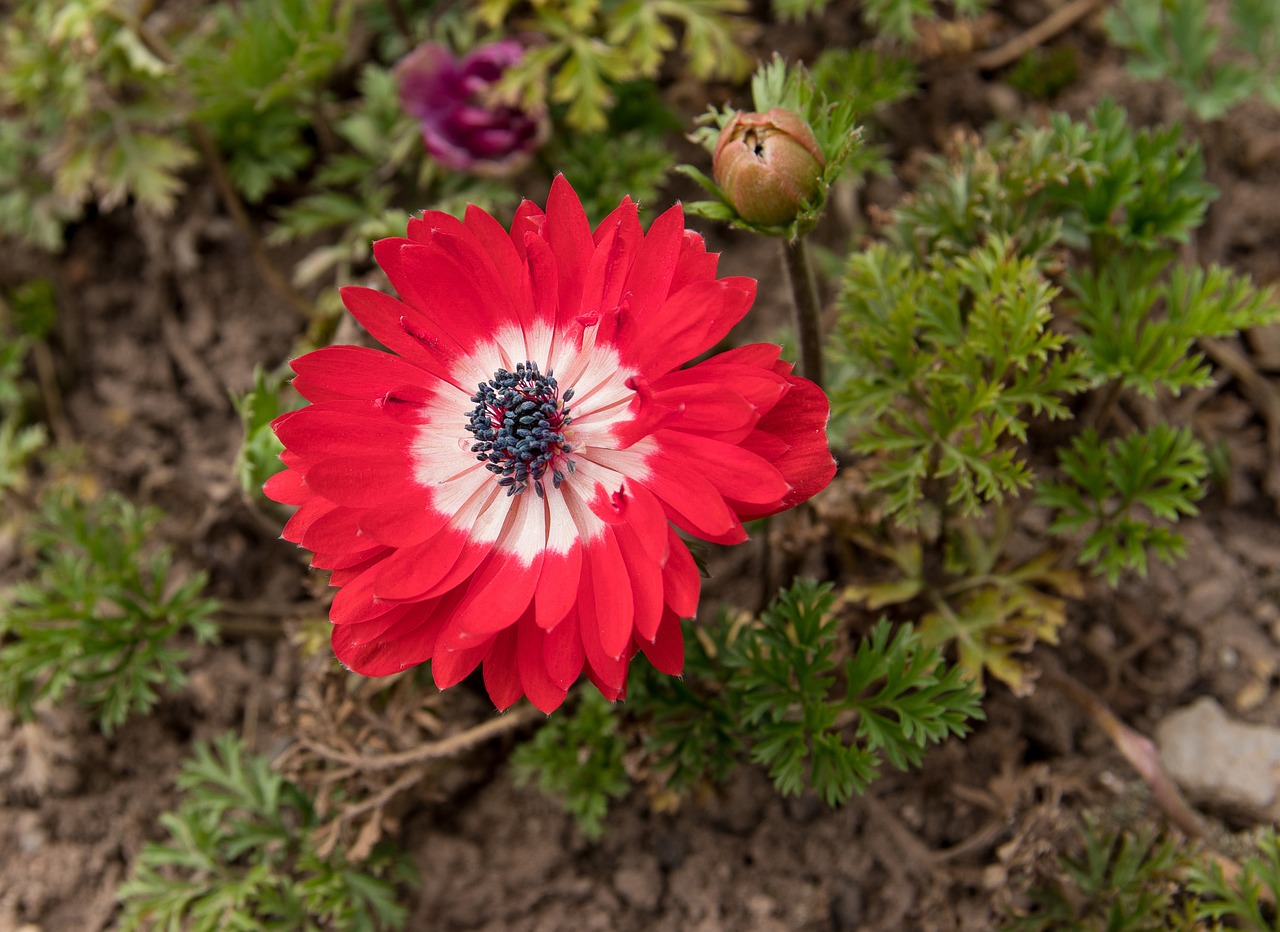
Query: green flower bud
<point>768,165</point>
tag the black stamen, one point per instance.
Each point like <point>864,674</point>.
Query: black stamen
<point>519,422</point>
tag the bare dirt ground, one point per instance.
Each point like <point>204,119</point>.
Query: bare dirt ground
<point>160,321</point>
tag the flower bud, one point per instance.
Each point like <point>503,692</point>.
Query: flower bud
<point>462,126</point>
<point>768,165</point>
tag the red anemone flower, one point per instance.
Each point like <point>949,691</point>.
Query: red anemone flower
<point>506,489</point>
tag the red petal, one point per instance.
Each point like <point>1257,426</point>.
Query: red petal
<point>413,572</point>
<point>528,221</point>
<point>410,641</point>
<point>693,503</point>
<point>537,683</point>
<point>352,372</point>
<point>757,355</point>
<point>735,472</point>
<point>502,671</point>
<point>335,532</point>
<point>613,607</point>
<point>451,667</point>
<point>666,651</point>
<point>403,523</point>
<point>356,601</point>
<point>308,513</point>
<point>568,233</point>
<point>558,583</point>
<point>800,420</point>
<point>507,261</point>
<point>286,487</point>
<point>544,279</point>
<point>687,324</point>
<point>320,431</point>
<point>500,591</point>
<point>454,287</point>
<point>681,581</point>
<point>393,324</point>
<point>646,581</point>
<point>650,278</point>
<point>695,263</point>
<point>562,652</point>
<point>362,481</point>
<point>602,666</point>
<point>345,565</point>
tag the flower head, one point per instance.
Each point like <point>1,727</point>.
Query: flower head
<point>505,490</point>
<point>768,165</point>
<point>462,127</point>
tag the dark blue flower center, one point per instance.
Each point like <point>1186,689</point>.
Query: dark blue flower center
<point>519,422</point>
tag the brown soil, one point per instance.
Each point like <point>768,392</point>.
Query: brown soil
<point>161,320</point>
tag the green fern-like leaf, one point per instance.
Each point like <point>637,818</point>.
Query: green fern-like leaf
<point>1117,490</point>
<point>100,616</point>
<point>578,757</point>
<point>239,856</point>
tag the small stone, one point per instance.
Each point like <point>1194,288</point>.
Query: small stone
<point>639,887</point>
<point>1207,598</point>
<point>1220,760</point>
<point>761,905</point>
<point>1251,695</point>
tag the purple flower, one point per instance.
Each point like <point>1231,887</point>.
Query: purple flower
<point>462,126</point>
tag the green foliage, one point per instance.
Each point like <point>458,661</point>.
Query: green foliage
<point>1043,73</point>
<point>1139,189</point>
<point>93,115</point>
<point>953,336</point>
<point>692,733</point>
<point>1121,882</point>
<point>946,362</point>
<point>867,79</point>
<point>1118,489</point>
<point>19,441</point>
<point>578,757</point>
<point>1185,42</point>
<point>592,46</point>
<point>239,857</point>
<point>30,208</point>
<point>259,456</point>
<point>99,615</point>
<point>1140,322</point>
<point>1025,272</point>
<point>898,19</point>
<point>779,688</point>
<point>630,159</point>
<point>1137,881</point>
<point>995,188</point>
<point>360,192</point>
<point>257,71</point>
<point>1247,901</point>
<point>784,677</point>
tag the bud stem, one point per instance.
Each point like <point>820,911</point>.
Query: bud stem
<point>805,313</point>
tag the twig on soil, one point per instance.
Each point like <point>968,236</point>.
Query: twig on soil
<point>52,394</point>
<point>235,207</point>
<point>1059,21</point>
<point>445,747</point>
<point>1138,750</point>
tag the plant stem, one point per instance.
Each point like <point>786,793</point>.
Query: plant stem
<point>1139,750</point>
<point>805,312</point>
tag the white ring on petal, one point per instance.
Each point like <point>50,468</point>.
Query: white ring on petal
<point>443,461</point>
